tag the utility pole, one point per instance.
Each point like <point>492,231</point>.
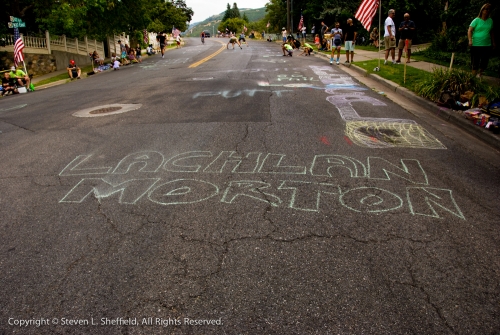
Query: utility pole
<point>291,17</point>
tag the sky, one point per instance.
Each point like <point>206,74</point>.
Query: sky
<point>203,9</point>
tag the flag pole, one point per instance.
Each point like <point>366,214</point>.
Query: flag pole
<point>379,31</point>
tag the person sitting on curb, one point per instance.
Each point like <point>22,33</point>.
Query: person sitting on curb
<point>73,70</point>
<point>8,85</point>
<point>21,77</point>
<point>97,59</point>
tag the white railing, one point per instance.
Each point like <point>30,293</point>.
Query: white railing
<point>61,43</point>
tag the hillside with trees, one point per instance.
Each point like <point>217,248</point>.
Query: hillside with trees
<point>212,23</point>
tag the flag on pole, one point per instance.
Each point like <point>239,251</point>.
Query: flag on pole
<point>175,32</point>
<point>145,36</point>
<point>301,23</point>
<point>366,12</point>
<point>268,24</point>
<point>18,48</point>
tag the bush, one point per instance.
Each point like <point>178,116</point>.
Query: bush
<point>458,82</point>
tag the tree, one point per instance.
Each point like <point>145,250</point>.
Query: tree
<point>234,25</point>
<point>235,12</point>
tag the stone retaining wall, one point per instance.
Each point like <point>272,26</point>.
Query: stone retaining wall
<point>36,65</point>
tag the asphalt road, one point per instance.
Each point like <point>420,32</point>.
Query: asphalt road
<point>250,194</point>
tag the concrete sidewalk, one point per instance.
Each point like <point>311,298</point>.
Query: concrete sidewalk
<point>365,55</point>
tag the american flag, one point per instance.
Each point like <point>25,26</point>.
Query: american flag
<point>18,47</point>
<point>301,23</point>
<point>175,32</point>
<point>366,11</point>
<point>145,36</point>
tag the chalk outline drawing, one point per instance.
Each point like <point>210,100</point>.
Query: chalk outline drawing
<point>428,201</point>
<point>278,165</point>
<point>256,190</point>
<point>190,154</point>
<point>349,114</point>
<point>185,190</point>
<point>285,185</point>
<point>342,194</point>
<point>140,157</point>
<point>235,159</point>
<point>340,158</point>
<point>82,159</point>
<point>13,108</point>
<point>100,195</point>
<point>405,169</point>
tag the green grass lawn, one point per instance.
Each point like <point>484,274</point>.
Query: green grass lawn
<point>63,76</point>
<point>395,73</point>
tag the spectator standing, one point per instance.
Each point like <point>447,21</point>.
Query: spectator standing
<point>178,41</point>
<point>390,36</point>
<point>374,37</point>
<point>324,28</point>
<point>406,29</point>
<point>336,42</point>
<point>304,33</point>
<point>349,40</point>
<point>283,34</point>
<point>138,51</point>
<point>481,40</point>
<point>313,30</point>
<point>123,53</point>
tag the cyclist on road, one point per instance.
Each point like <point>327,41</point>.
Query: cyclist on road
<point>203,37</point>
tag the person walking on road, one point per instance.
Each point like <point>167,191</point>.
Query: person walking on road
<point>161,38</point>
<point>406,28</point>
<point>481,40</point>
<point>390,36</point>
<point>349,40</point>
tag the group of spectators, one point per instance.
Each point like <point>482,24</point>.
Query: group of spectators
<point>13,80</point>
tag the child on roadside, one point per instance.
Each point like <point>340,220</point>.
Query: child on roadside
<point>316,41</point>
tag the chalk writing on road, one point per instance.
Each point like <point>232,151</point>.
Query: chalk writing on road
<point>233,94</point>
<point>328,182</point>
<point>371,131</point>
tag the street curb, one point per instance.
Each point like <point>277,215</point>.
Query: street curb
<point>454,117</point>
<point>65,81</point>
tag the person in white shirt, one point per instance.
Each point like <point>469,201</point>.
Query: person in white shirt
<point>390,36</point>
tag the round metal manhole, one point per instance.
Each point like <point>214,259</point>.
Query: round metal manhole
<point>106,110</point>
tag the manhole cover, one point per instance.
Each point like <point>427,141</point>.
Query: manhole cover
<point>105,110</point>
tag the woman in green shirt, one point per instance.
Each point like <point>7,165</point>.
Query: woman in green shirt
<point>481,40</point>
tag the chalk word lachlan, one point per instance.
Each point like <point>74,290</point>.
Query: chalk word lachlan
<point>182,179</point>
